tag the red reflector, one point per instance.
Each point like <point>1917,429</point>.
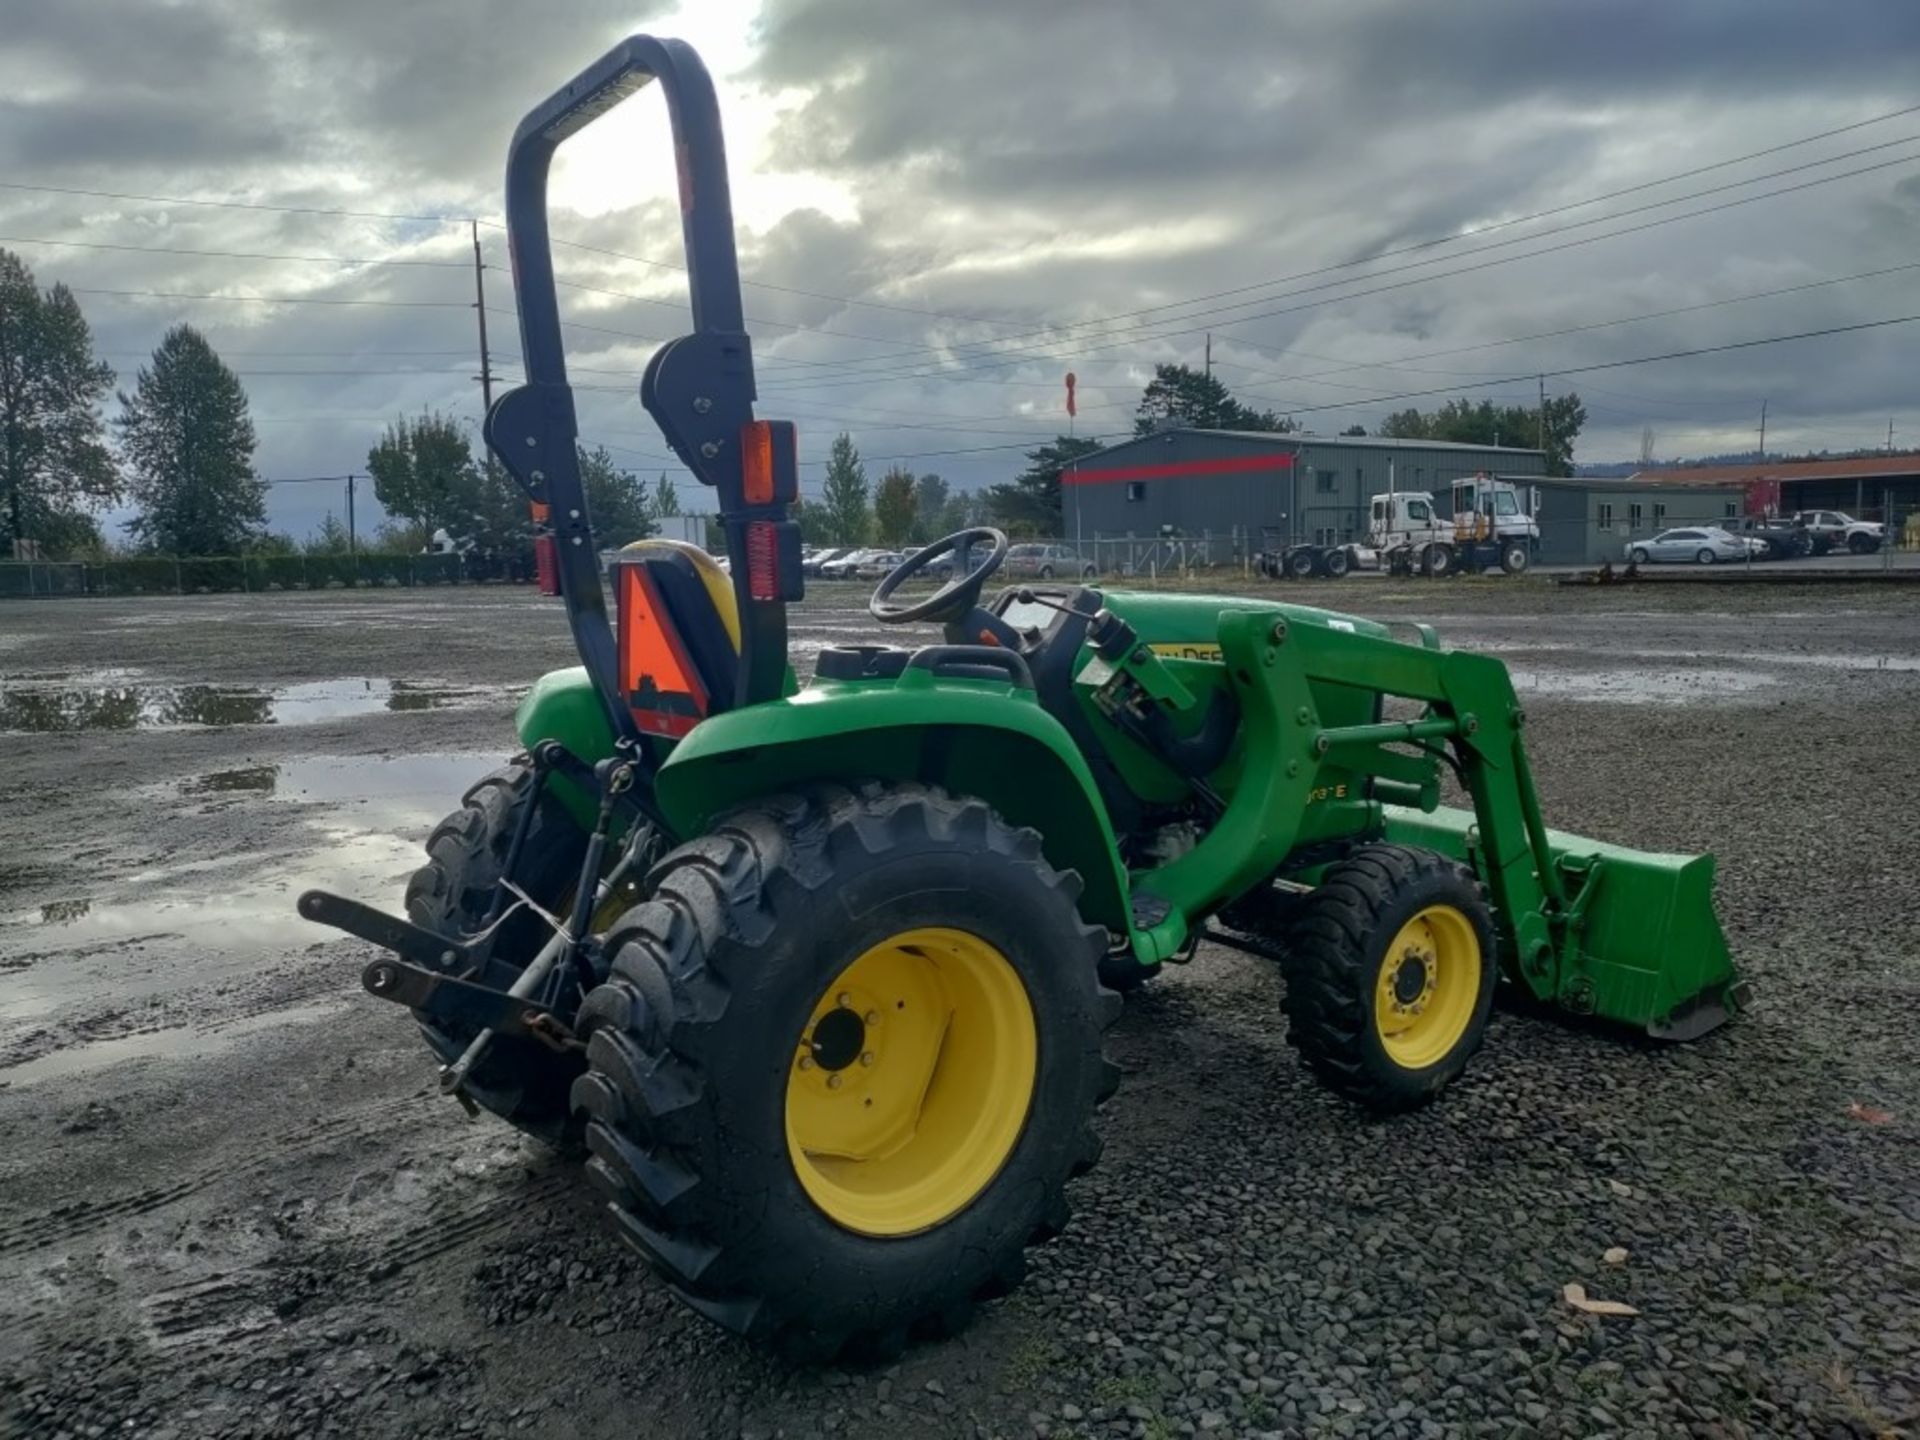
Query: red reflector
<point>763,567</point>
<point>546,562</point>
<point>756,462</point>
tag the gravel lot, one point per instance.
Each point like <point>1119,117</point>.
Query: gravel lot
<point>231,1204</point>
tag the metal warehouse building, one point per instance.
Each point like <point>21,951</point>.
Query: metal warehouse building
<point>1246,486</point>
<point>1869,487</point>
<point>1585,519</point>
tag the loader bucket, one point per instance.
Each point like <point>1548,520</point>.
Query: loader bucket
<point>1642,945</point>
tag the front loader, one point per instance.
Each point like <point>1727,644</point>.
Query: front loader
<point>816,974</point>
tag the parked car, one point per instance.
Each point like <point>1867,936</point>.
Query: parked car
<point>1830,528</point>
<point>1779,539</point>
<point>810,564</point>
<point>878,564</point>
<point>1700,545</point>
<point>1047,562</point>
<point>842,566</point>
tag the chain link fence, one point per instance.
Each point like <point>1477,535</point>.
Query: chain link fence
<point>236,574</point>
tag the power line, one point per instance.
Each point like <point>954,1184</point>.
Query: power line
<point>1402,250</point>
<point>1393,362</point>
<point>278,299</point>
<point>231,204</point>
<point>1621,364</point>
<point>342,260</point>
<point>1559,210</point>
<point>1029,355</point>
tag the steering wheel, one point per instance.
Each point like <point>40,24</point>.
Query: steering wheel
<point>955,597</point>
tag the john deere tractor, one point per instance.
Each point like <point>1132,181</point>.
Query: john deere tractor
<point>815,975</point>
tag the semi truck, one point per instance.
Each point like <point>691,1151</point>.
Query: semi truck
<point>1480,524</point>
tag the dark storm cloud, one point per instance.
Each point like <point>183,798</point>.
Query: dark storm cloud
<point>1023,168</point>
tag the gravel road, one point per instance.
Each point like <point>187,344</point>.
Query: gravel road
<point>231,1202</point>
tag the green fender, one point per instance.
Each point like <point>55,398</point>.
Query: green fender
<point>974,737</point>
<point>564,706</point>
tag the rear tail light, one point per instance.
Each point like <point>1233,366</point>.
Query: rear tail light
<point>763,561</point>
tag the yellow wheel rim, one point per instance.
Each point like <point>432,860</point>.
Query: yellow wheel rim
<point>910,1085</point>
<point>1429,987</point>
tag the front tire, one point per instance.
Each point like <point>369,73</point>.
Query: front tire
<point>1436,560</point>
<point>520,1080</point>
<point>844,1065</point>
<point>1515,559</point>
<point>1390,975</point>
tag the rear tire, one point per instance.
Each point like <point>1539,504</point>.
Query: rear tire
<point>1704,556</point>
<point>1337,564</point>
<point>1301,564</point>
<point>1390,976</point>
<point>520,1080</point>
<point>711,1088</point>
<point>1639,556</point>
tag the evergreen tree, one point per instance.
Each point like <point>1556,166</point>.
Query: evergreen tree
<point>1029,504</point>
<point>1180,395</point>
<point>843,498</point>
<point>188,444</point>
<point>616,501</point>
<point>895,508</point>
<point>328,538</point>
<point>929,502</point>
<point>54,463</point>
<point>666,500</point>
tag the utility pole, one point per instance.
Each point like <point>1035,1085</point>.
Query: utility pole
<point>1889,437</point>
<point>352,544</point>
<point>1763,430</point>
<point>1209,354</point>
<point>1543,413</point>
<point>480,309</point>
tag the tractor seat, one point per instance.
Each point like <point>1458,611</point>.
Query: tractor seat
<point>679,635</point>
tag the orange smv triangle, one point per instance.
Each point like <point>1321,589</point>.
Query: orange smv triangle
<point>661,687</point>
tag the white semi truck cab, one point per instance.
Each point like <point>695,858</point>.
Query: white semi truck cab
<point>1482,524</point>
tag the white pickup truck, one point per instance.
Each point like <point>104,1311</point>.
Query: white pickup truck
<point>1832,528</point>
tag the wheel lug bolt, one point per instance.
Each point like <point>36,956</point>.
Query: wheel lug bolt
<point>867,1059</point>
<point>806,1062</point>
<point>844,1000</point>
<point>873,1017</point>
<point>833,1082</point>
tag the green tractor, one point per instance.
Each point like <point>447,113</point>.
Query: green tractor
<point>816,975</point>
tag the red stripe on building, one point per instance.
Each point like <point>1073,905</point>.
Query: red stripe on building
<point>1233,465</point>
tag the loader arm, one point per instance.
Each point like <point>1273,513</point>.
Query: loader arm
<point>1597,929</point>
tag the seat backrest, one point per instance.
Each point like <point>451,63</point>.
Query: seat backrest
<point>679,635</point>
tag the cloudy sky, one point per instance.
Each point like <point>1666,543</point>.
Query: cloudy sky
<point>943,207</point>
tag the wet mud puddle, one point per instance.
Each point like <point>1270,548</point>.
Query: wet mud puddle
<point>187,955</point>
<point>125,700</point>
